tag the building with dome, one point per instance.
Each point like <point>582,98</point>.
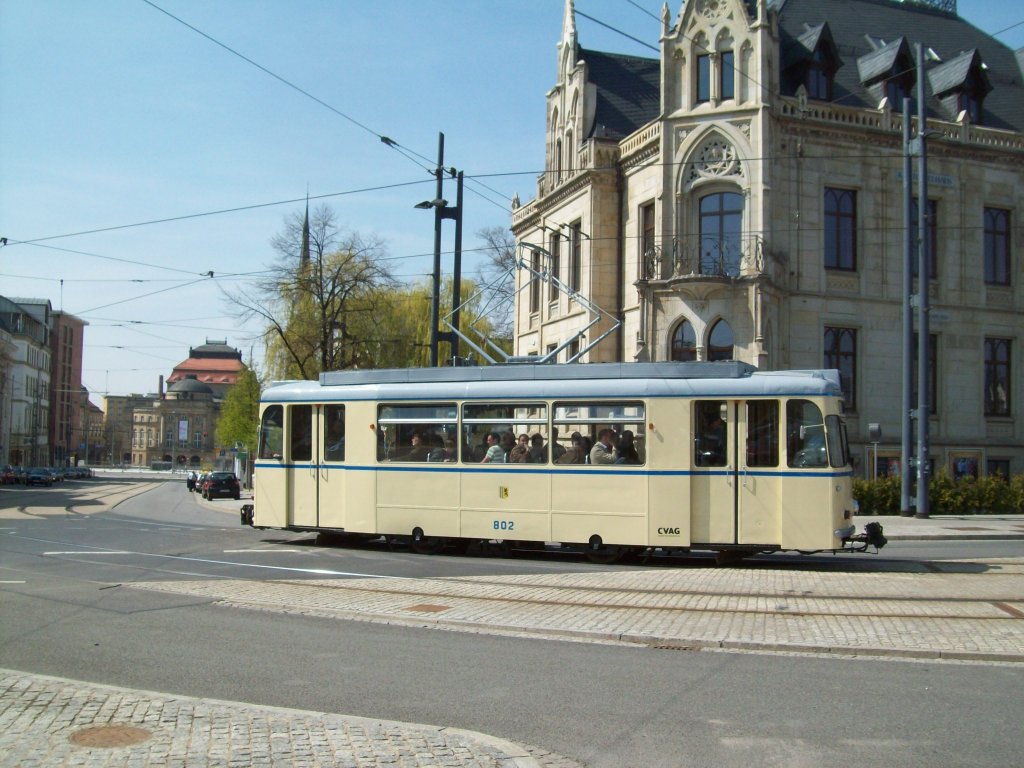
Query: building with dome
<point>214,364</point>
<point>739,195</point>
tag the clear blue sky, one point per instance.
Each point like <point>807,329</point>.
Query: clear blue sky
<point>112,113</point>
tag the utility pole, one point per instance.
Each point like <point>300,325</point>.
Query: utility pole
<point>444,211</point>
<point>923,330</point>
<point>909,240</point>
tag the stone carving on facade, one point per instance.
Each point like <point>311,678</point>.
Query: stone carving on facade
<point>712,10</point>
<point>716,159</point>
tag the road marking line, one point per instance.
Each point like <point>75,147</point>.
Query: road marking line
<point>235,551</point>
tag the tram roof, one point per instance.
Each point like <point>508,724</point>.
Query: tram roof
<point>662,379</point>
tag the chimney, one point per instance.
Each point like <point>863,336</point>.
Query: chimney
<point>160,387</point>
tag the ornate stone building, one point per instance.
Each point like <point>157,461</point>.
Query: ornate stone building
<point>740,196</point>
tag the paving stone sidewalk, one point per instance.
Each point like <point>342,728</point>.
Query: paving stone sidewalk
<point>46,721</point>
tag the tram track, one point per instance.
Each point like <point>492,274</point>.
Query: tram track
<point>1001,607</point>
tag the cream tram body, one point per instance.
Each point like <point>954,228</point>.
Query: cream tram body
<point>729,458</point>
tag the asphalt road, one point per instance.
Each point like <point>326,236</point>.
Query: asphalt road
<point>69,610</point>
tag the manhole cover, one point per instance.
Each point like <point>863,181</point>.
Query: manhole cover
<point>110,736</point>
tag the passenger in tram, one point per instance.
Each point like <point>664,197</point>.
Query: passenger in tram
<point>538,453</point>
<point>625,451</point>
<point>557,449</point>
<point>577,453</point>
<point>495,454</point>
<point>419,450</point>
<point>508,442</point>
<point>449,450</point>
<point>603,451</point>
<point>520,453</point>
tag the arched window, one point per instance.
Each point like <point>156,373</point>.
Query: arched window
<point>721,225</point>
<point>684,343</point>
<point>720,342</point>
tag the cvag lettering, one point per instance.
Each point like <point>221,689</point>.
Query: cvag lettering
<point>668,531</point>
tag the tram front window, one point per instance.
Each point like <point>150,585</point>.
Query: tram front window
<point>271,432</point>
<point>838,446</point>
<point>805,435</point>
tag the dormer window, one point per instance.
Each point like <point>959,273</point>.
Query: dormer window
<point>889,72</point>
<point>812,61</point>
<point>961,85</point>
<point>819,77</point>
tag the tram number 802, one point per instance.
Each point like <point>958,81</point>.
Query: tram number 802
<point>504,525</point>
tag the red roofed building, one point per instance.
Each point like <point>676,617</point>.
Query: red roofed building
<point>214,363</point>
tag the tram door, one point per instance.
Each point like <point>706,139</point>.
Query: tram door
<point>330,455</point>
<point>734,500</point>
<point>302,427</point>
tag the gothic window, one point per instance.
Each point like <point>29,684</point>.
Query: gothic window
<point>720,343</point>
<point>840,229</point>
<point>684,343</point>
<point>933,269</point>
<point>575,255</point>
<point>558,160</point>
<point>534,281</point>
<point>647,244</point>
<point>721,225</point>
<point>997,246</point>
<point>841,354</point>
<point>997,377</point>
<point>703,78</point>
<point>556,265</point>
<point>727,76</point>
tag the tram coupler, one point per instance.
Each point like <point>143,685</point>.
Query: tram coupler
<point>871,537</point>
<point>247,512</point>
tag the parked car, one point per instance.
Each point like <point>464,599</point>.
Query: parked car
<point>8,475</point>
<point>38,476</point>
<point>221,484</point>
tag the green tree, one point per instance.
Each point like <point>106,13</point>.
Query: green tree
<point>239,413</point>
<point>319,298</point>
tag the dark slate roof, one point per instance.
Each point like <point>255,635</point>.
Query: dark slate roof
<point>628,92</point>
<point>215,349</point>
<point>953,74</point>
<point>887,59</point>
<point>853,21</point>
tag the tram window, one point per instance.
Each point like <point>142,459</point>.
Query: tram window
<point>711,438</point>
<point>417,433</point>
<point>334,433</point>
<point>301,438</point>
<point>805,435</point>
<point>576,426</point>
<point>510,421</point>
<point>271,431</point>
<point>838,447</point>
<point>763,433</point>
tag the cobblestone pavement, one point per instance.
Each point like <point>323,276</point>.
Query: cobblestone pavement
<point>966,611</point>
<point>46,721</point>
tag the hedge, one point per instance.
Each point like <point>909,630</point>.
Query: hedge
<point>990,495</point>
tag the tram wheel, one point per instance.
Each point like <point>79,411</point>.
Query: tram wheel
<point>426,545</point>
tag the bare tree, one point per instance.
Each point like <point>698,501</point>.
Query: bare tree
<point>319,298</point>
<point>497,277</point>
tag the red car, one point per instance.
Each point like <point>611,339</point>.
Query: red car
<point>221,484</point>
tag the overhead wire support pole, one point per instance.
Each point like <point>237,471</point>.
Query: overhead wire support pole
<point>906,419</point>
<point>435,296</point>
<point>923,330</point>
